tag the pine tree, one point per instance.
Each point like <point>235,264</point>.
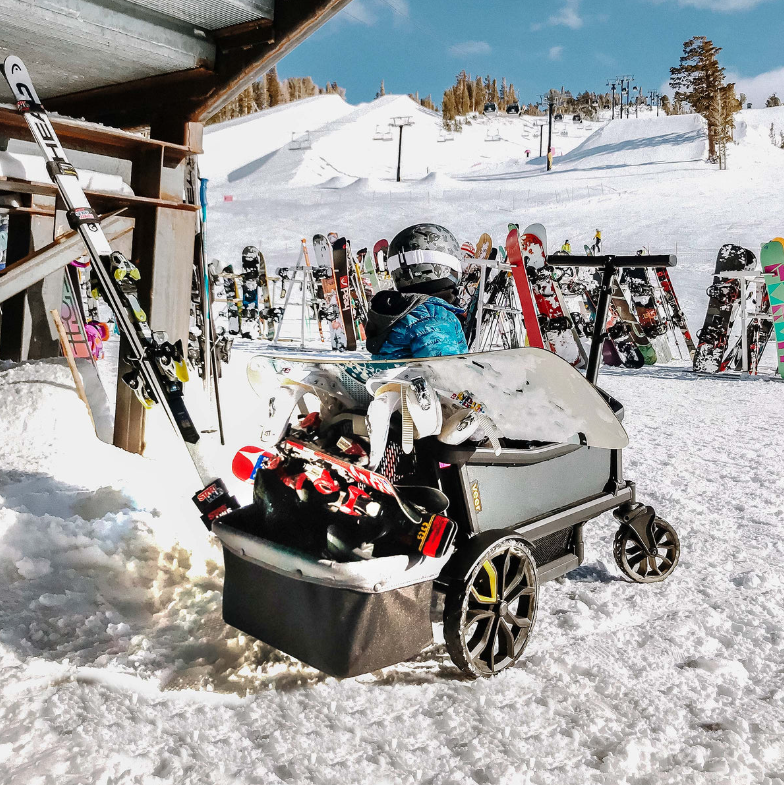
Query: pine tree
<point>742,100</point>
<point>480,95</point>
<point>448,108</point>
<point>381,90</point>
<point>697,81</point>
<point>665,104</point>
<point>502,103</point>
<point>772,101</point>
<point>511,96</point>
<point>273,87</point>
<point>494,97</point>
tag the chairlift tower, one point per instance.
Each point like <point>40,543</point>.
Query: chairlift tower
<point>401,123</point>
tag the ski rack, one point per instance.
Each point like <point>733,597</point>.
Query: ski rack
<point>744,277</point>
<point>610,265</point>
<point>485,265</point>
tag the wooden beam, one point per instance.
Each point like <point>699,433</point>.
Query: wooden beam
<point>168,101</point>
<point>24,273</point>
<point>101,201</point>
<point>90,138</point>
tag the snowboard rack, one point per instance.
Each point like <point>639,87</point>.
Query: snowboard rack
<point>610,265</point>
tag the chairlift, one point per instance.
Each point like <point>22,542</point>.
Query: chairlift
<point>301,142</point>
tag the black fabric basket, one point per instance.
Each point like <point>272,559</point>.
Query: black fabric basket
<point>343,618</point>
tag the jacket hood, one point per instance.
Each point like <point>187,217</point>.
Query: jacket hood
<point>386,309</point>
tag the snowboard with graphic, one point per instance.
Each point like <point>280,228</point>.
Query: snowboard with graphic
<point>772,258</point>
<point>631,326</point>
<point>723,306</point>
<point>554,321</point>
<point>324,271</point>
<point>342,266</point>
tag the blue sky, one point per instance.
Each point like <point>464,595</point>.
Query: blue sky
<point>538,44</point>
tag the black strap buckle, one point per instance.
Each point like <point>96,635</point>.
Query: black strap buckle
<point>214,501</point>
<point>60,167</point>
<point>80,216</point>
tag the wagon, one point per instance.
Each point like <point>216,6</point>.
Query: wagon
<point>520,511</point>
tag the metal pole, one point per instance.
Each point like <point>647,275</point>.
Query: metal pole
<point>613,101</point>
<point>551,106</point>
<point>399,153</point>
<point>600,324</point>
<point>541,138</point>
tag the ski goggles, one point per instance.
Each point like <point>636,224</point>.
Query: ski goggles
<point>423,257</point>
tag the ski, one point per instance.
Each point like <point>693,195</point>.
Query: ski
<point>325,272</point>
<point>678,316</point>
<point>158,366</point>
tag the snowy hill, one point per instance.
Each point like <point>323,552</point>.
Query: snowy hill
<point>236,143</point>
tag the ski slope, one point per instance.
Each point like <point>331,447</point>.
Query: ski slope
<point>115,665</point>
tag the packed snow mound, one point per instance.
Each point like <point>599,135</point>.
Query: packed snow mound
<point>641,142</point>
<point>758,139</point>
<point>338,181</point>
<point>33,167</point>
<point>236,143</point>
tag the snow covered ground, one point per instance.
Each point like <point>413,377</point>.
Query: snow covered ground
<point>115,665</point>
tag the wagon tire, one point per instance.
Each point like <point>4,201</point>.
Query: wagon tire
<point>490,613</point>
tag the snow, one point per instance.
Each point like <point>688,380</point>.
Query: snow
<point>115,664</point>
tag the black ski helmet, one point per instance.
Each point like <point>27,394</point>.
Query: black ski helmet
<point>425,257</point>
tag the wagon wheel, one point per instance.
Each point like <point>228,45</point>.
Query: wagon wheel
<point>642,567</point>
<point>489,616</point>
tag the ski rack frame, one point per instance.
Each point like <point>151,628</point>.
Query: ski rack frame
<point>744,277</point>
<point>610,265</point>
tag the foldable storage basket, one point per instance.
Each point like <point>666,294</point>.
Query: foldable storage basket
<point>344,618</point>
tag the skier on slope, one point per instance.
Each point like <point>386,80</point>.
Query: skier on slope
<point>597,242</point>
<point>419,318</point>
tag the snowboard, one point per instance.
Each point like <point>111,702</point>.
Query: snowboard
<point>628,324</point>
<point>370,273</point>
<point>267,313</point>
<point>249,285</point>
<point>723,304</point>
<point>610,354</point>
<point>558,404</point>
<point>315,291</point>
<point>772,258</point>
<point>676,312</point>
<point>642,297</point>
<point>470,288</point>
<point>554,321</point>
<point>341,263</point>
<point>484,246</point>
<point>380,250</point>
<point>519,261</point>
<point>325,271</point>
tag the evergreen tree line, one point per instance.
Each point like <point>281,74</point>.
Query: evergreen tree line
<point>270,91</point>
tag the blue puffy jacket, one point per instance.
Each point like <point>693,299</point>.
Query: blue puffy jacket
<point>413,325</point>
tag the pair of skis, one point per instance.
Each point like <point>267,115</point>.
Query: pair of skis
<point>157,367</point>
